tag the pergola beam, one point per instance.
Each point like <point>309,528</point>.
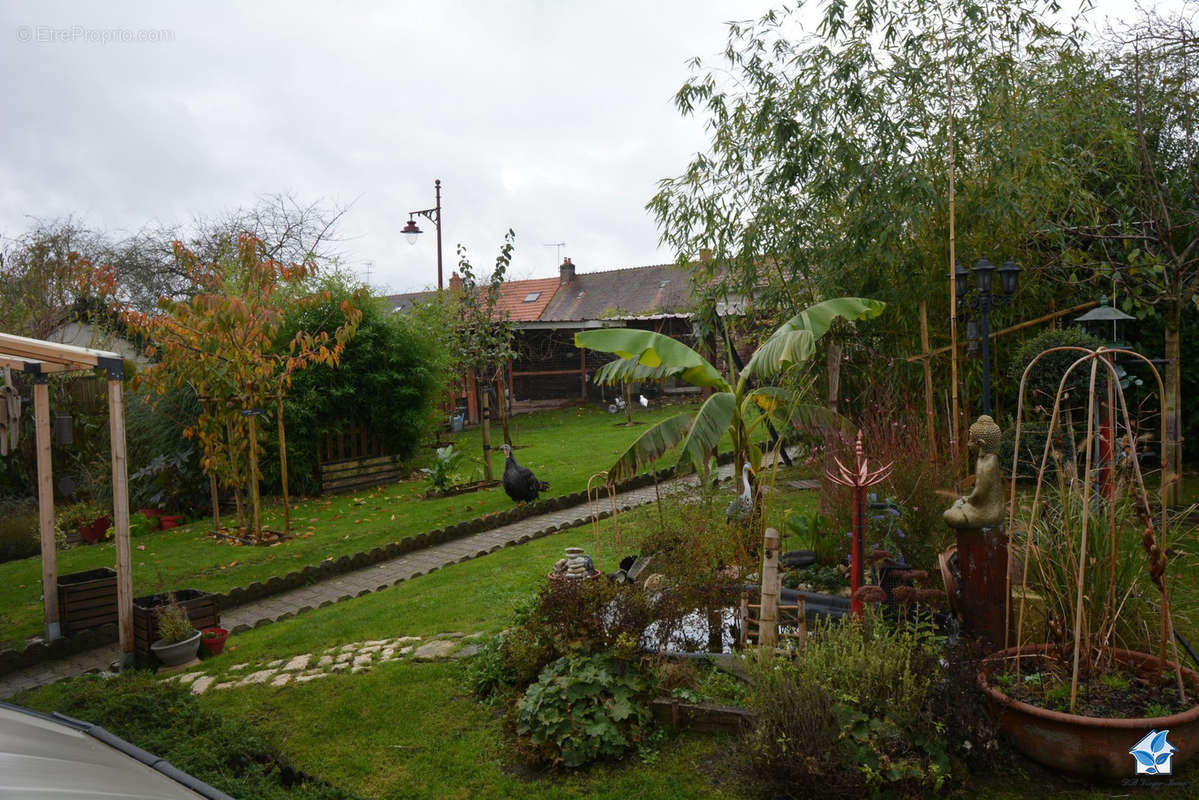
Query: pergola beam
<point>32,367</point>
<point>55,353</point>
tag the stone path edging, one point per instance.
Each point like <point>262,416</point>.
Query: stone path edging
<point>356,583</point>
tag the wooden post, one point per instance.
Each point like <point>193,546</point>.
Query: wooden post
<point>255,499</point>
<point>216,502</point>
<point>120,515</point>
<point>283,467</point>
<point>485,411</point>
<point>582,374</point>
<point>505,409</point>
<point>768,624</point>
<point>930,418</point>
<point>241,513</point>
<point>45,505</point>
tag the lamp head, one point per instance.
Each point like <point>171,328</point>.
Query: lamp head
<point>982,274</point>
<point>1009,277</point>
<point>959,280</point>
<point>410,231</point>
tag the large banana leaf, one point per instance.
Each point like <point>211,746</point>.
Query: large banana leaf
<point>795,340</point>
<point>628,370</point>
<point>711,422</point>
<point>654,350</point>
<point>779,404</point>
<point>649,446</point>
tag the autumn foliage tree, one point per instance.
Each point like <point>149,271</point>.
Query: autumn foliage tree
<point>222,344</point>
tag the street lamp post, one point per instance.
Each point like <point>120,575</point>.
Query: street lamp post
<point>982,301</point>
<point>433,215</point>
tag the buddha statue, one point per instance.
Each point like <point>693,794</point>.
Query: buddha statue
<point>984,507</point>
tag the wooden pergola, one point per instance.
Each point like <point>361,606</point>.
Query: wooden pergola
<point>41,359</point>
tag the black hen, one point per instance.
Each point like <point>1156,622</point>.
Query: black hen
<point>519,482</point>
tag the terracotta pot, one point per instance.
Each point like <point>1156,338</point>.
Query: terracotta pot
<point>1091,747</point>
<point>213,640</point>
<point>168,521</point>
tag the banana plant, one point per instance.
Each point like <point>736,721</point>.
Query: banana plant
<point>733,406</point>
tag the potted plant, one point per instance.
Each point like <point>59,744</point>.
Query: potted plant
<point>213,640</point>
<point>90,520</point>
<point>179,641</point>
<point>1087,691</point>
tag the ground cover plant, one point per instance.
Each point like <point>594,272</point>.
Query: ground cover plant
<point>407,729</point>
<point>328,527</point>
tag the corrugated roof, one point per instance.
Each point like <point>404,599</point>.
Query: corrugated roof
<point>622,294</point>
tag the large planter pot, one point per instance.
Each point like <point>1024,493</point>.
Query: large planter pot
<point>201,612</point>
<point>172,655</point>
<point>1090,747</point>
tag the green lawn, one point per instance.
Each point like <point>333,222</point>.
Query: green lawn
<point>564,447</point>
<point>411,730</point>
<point>406,729</point>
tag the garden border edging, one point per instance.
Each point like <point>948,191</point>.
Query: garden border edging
<point>64,647</point>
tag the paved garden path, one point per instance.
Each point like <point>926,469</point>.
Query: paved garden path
<point>350,585</point>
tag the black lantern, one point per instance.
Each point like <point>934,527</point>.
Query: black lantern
<point>982,275</point>
<point>959,280</point>
<point>1009,277</point>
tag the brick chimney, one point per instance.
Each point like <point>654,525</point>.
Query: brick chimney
<point>455,283</point>
<point>566,272</point>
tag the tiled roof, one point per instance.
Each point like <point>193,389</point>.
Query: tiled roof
<point>526,300</point>
<point>657,291</point>
<point>622,293</point>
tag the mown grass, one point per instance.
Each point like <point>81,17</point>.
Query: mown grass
<point>564,447</point>
<point>409,730</point>
<point>413,730</point>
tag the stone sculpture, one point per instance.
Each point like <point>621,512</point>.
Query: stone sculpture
<point>984,507</point>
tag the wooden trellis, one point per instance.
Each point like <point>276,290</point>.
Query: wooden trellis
<point>41,359</point>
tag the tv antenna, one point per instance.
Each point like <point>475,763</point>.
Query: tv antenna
<point>558,254</point>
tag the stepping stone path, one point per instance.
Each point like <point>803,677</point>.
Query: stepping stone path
<point>354,658</point>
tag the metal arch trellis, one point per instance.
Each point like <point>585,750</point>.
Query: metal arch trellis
<point>1154,546</point>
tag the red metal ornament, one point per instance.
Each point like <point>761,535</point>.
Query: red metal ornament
<point>857,479</point>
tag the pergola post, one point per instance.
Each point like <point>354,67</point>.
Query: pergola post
<point>40,358</point>
<point>120,514</point>
<point>45,505</point>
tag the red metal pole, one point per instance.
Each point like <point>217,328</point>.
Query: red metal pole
<point>855,572</point>
<point>437,187</point>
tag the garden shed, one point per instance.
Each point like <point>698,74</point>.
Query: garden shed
<point>41,359</point>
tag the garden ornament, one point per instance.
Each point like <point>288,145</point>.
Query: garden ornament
<point>857,479</point>
<point>742,506</point>
<point>984,507</point>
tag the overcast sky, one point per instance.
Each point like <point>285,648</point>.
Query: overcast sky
<point>551,118</point>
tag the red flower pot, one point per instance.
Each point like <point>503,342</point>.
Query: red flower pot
<point>213,640</point>
<point>95,532</point>
<point>168,521</point>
